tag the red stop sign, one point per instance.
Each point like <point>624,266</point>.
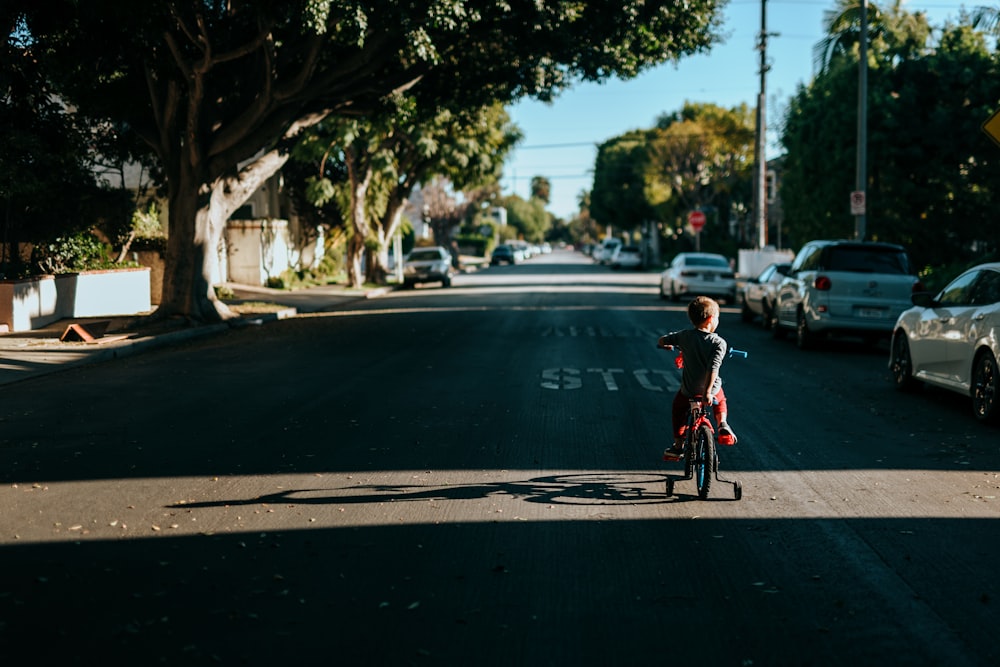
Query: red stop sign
<point>697,220</point>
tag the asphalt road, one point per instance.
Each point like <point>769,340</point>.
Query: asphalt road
<point>472,476</point>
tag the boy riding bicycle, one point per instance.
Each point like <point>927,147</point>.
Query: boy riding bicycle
<point>702,351</point>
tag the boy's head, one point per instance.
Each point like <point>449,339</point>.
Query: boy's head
<point>703,309</point>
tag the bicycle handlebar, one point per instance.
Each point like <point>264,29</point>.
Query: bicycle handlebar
<point>733,352</point>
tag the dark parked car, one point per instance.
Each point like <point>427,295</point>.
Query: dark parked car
<point>503,254</point>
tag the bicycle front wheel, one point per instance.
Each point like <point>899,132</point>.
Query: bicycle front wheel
<point>704,460</point>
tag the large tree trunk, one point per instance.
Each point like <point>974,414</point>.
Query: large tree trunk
<point>187,288</point>
<point>197,220</point>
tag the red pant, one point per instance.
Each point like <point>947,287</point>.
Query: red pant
<point>679,410</point>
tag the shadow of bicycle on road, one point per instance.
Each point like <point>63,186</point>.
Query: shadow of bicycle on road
<point>574,489</point>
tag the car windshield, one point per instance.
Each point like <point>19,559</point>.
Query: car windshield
<point>424,255</point>
<point>867,260</point>
<point>719,262</point>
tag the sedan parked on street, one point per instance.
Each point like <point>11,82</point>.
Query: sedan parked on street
<point>698,274</point>
<point>759,293</point>
<point>952,340</point>
<point>427,265</point>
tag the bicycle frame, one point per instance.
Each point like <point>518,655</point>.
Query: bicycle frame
<point>701,457</point>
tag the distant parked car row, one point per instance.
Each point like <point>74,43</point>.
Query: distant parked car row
<point>612,252</point>
<point>513,252</point>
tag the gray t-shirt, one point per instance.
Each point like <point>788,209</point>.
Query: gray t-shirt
<point>703,352</point>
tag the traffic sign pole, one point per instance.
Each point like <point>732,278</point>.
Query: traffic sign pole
<point>697,221</point>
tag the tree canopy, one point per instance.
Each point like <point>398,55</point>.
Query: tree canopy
<point>217,89</point>
<point>382,158</point>
<point>933,174</point>
<point>698,157</point>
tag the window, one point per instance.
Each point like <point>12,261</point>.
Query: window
<point>809,260</point>
<point>986,289</point>
<point>425,255</point>
<point>719,262</point>
<point>860,259</point>
<point>959,291</point>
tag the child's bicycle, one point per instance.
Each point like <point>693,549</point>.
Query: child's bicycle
<point>701,456</point>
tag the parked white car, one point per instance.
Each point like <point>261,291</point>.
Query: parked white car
<point>626,257</point>
<point>855,288</point>
<point>952,340</point>
<point>759,294</point>
<point>603,252</point>
<point>427,265</point>
<point>698,274</point>
<point>522,250</point>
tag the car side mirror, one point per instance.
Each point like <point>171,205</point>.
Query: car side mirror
<point>923,299</point>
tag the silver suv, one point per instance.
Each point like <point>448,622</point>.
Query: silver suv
<point>845,287</point>
<point>427,265</point>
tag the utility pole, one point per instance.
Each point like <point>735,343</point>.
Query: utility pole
<point>760,149</point>
<point>860,221</point>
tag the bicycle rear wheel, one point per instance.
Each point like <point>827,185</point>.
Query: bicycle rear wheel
<point>704,460</point>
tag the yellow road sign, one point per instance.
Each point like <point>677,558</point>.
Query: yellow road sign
<point>992,127</point>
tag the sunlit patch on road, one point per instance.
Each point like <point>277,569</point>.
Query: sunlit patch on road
<point>310,501</point>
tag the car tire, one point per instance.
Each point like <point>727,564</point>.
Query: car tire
<point>767,319</point>
<point>663,293</point>
<point>901,364</point>
<point>985,387</point>
<point>446,281</point>
<point>804,338</point>
<point>777,332</point>
<point>746,315</point>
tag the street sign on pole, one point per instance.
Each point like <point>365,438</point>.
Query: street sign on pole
<point>858,202</point>
<point>697,220</point>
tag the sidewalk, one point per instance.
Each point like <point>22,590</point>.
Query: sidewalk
<point>27,354</point>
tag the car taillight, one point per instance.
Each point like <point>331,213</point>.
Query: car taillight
<point>822,283</point>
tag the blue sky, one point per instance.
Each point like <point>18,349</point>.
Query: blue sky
<point>560,139</point>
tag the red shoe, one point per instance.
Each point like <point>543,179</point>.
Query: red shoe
<point>726,435</point>
<point>674,453</point>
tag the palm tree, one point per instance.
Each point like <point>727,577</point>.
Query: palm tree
<point>893,34</point>
<point>842,26</point>
<point>986,18</point>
